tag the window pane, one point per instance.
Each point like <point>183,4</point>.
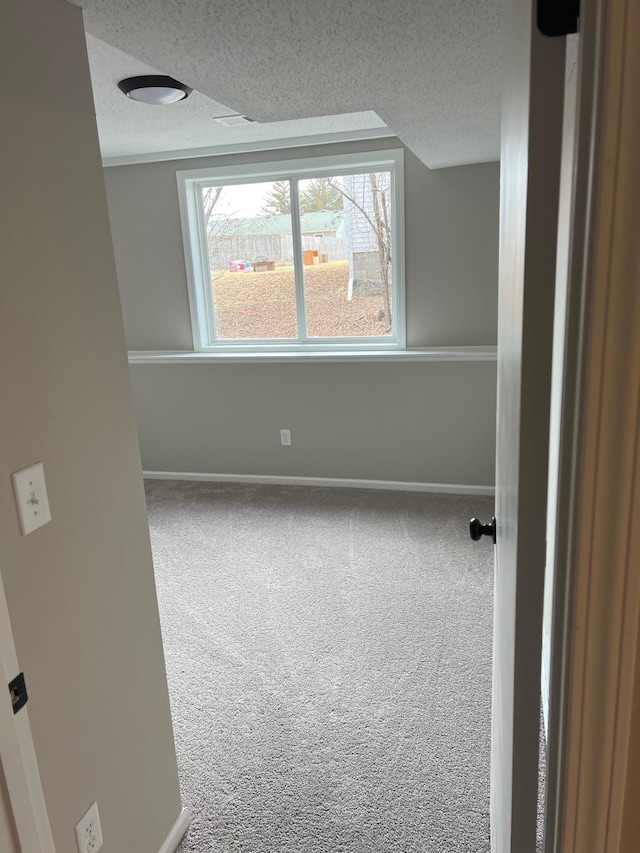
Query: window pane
<point>250,247</point>
<point>346,241</point>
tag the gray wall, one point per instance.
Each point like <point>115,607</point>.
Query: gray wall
<point>80,590</point>
<point>363,421</point>
<point>423,422</point>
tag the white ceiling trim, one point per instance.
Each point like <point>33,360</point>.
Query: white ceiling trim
<point>249,147</point>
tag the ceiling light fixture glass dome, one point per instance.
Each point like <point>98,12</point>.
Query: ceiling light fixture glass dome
<point>154,89</point>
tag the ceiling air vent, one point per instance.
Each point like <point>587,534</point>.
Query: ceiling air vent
<point>233,121</point>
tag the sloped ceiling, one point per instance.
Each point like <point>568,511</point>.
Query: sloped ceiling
<point>429,70</point>
<point>128,128</point>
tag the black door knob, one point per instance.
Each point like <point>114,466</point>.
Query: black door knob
<point>477,529</point>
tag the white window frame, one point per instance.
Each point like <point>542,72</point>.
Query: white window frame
<point>197,261</point>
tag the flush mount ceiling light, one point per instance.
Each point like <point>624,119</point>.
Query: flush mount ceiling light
<point>154,89</point>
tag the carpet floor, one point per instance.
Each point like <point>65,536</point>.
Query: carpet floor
<point>329,663</point>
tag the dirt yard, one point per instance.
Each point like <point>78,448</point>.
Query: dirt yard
<point>263,304</point>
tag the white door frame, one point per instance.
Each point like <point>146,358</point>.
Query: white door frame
<point>17,753</point>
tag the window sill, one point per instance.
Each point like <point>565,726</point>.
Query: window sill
<point>484,353</point>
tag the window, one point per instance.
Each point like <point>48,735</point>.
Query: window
<point>302,255</point>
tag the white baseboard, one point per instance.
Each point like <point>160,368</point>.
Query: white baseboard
<point>330,482</point>
<point>177,832</point>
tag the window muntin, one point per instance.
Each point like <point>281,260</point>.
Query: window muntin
<point>262,278</point>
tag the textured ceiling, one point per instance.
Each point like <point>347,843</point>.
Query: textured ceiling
<point>128,127</point>
<point>428,68</point>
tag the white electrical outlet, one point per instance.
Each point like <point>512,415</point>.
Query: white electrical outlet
<point>285,437</point>
<point>89,831</point>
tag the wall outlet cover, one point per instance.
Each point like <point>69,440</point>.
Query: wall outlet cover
<point>285,437</point>
<point>89,831</point>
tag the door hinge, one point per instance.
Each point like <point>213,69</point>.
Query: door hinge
<point>558,17</point>
<point>18,692</point>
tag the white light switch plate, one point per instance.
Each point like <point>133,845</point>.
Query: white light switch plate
<point>31,498</point>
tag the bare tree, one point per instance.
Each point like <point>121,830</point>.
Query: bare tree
<point>210,198</point>
<point>376,213</point>
<point>218,228</point>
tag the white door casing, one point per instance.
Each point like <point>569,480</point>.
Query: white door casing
<point>532,114</point>
<point>17,753</point>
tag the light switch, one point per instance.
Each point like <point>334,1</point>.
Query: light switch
<point>31,498</point>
